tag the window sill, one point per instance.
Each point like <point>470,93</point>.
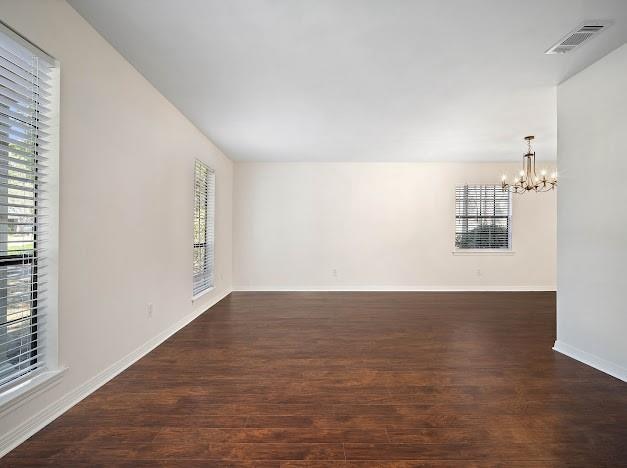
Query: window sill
<point>201,294</point>
<point>496,252</point>
<point>16,396</point>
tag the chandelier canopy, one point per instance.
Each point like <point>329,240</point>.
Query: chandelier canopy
<point>527,179</point>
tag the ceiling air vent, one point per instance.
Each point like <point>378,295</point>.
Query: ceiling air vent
<point>583,33</point>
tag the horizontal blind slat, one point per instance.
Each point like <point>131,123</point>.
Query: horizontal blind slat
<point>23,128</point>
<point>21,373</point>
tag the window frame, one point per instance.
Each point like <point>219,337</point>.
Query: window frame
<point>13,392</point>
<point>488,250</point>
<point>208,239</point>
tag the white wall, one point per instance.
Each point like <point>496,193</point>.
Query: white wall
<point>126,165</point>
<point>592,215</point>
<point>380,226</point>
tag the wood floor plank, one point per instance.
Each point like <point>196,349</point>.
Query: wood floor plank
<point>350,379</point>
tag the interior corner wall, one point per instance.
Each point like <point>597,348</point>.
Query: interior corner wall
<point>592,215</point>
<point>126,205</point>
<point>379,226</point>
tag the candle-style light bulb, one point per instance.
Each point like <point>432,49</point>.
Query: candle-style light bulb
<point>543,172</point>
<point>521,173</point>
<point>503,178</point>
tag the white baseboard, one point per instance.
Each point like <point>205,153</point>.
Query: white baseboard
<point>37,422</point>
<point>397,288</point>
<point>591,360</point>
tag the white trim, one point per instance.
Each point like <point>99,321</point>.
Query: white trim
<point>22,392</point>
<point>51,242</point>
<point>478,288</point>
<point>611,368</point>
<point>495,252</point>
<point>28,45</point>
<point>37,422</point>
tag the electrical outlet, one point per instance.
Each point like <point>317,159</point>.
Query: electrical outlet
<point>334,273</point>
<point>478,272</point>
<point>150,310</point>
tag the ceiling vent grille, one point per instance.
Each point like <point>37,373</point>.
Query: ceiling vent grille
<point>583,33</point>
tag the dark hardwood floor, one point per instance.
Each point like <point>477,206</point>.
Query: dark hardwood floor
<point>352,379</point>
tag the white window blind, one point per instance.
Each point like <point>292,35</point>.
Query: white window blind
<point>204,222</point>
<point>25,109</point>
<point>482,217</point>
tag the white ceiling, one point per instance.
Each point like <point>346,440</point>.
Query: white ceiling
<point>360,80</point>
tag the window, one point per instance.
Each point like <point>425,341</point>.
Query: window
<point>482,217</point>
<point>27,207</point>
<point>204,211</point>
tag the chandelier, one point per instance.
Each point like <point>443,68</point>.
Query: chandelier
<point>527,179</point>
